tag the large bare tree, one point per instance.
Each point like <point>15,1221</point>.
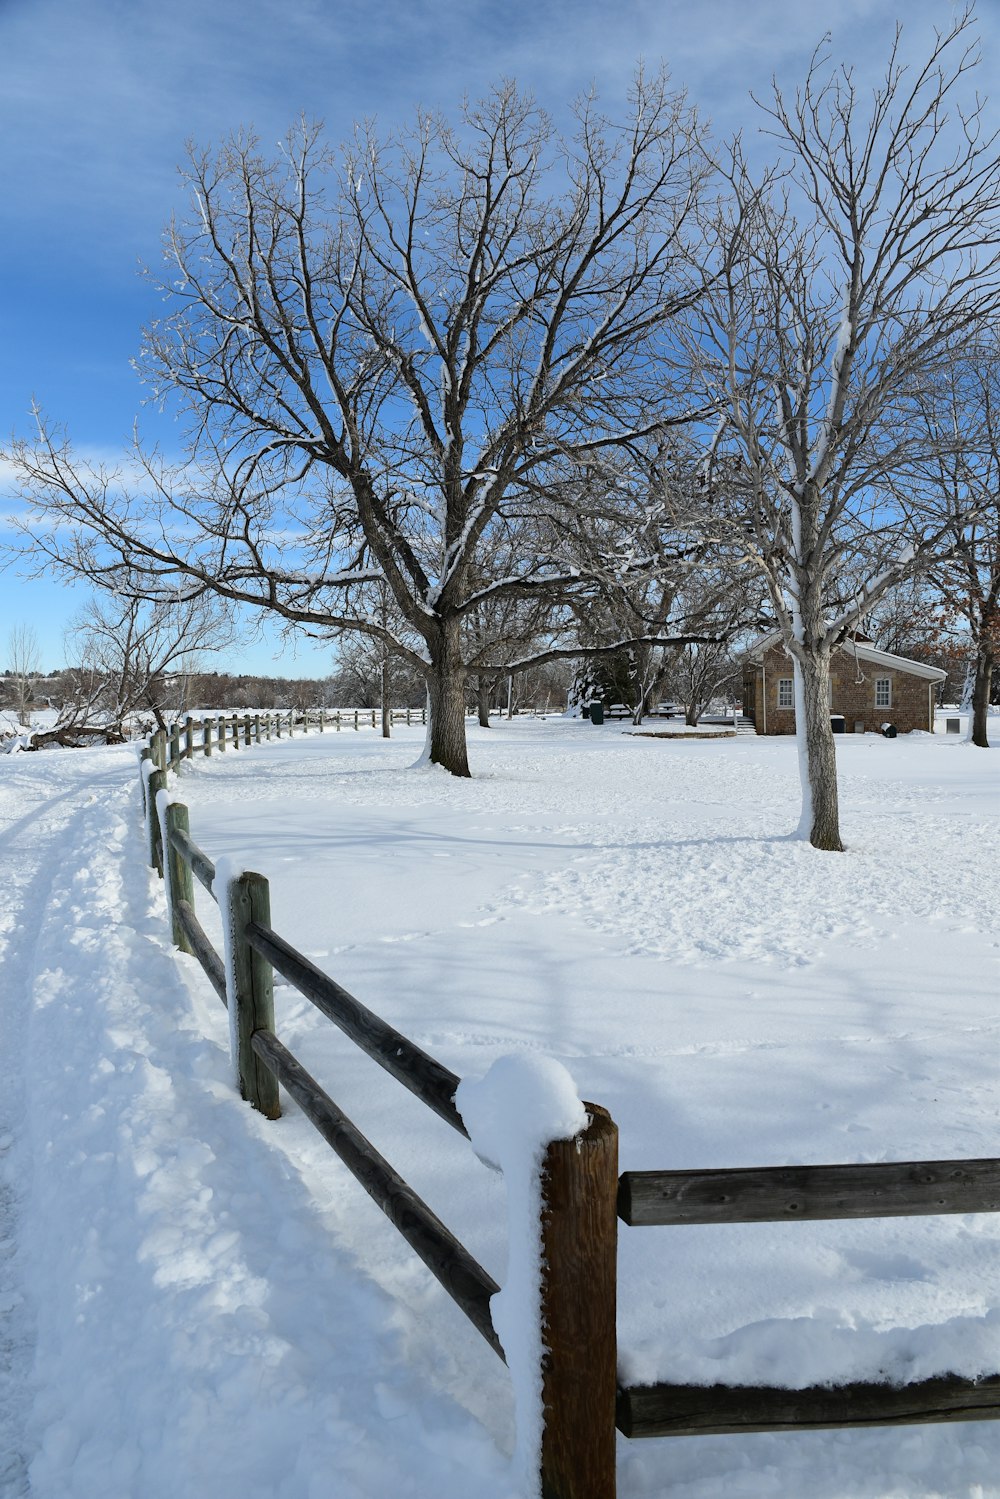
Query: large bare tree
<point>380,354</point>
<point>852,275</point>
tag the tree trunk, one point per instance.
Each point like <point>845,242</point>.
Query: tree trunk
<point>483,701</point>
<point>981,689</point>
<point>817,752</point>
<point>386,704</point>
<point>446,701</point>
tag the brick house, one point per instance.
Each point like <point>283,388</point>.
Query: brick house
<point>868,688</point>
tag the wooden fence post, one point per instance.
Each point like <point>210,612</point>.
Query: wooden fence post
<point>267,725</point>
<point>249,899</point>
<point>579,1271</point>
<point>206,736</point>
<point>180,880</point>
<point>175,747</point>
<point>338,720</point>
<point>256,728</point>
<point>189,738</point>
<point>220,724</point>
<point>291,723</point>
<point>355,719</point>
<point>236,731</point>
<point>157,782</point>
<point>277,724</point>
<point>145,755</point>
<point>322,719</point>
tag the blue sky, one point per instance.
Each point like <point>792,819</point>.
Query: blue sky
<point>99,97</point>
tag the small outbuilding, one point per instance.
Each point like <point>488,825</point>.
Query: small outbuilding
<point>869,688</point>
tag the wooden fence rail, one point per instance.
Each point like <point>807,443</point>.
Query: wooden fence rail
<point>583,1196</point>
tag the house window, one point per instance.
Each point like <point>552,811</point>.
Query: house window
<point>883,692</point>
<point>786,697</point>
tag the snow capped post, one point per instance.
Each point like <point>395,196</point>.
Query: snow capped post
<point>555,1316</point>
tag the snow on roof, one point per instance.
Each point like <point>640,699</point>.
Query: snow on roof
<point>865,652</point>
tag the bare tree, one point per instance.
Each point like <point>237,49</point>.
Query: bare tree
<point>24,655</point>
<point>134,656</point>
<point>381,357</point>
<point>961,478</point>
<point>849,280</point>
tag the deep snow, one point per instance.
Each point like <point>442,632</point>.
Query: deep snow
<point>207,1303</point>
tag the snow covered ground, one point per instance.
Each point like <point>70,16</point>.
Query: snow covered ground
<point>198,1301</point>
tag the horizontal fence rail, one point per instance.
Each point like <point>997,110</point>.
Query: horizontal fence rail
<point>773,1194</point>
<point>466,1282</point>
<point>432,1083</point>
<point>724,1410</point>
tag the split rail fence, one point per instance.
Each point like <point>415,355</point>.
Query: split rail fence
<point>583,1196</point>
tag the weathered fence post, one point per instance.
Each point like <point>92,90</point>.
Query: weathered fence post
<point>247,735</point>
<point>248,899</point>
<point>291,722</point>
<point>175,746</point>
<point>145,756</point>
<point>206,736</point>
<point>220,724</point>
<point>322,719</point>
<point>189,738</point>
<point>157,782</point>
<point>338,720</point>
<point>256,728</point>
<point>158,749</point>
<point>579,1261</point>
<point>267,727</point>
<point>305,720</point>
<point>355,718</point>
<point>277,724</point>
<point>180,880</point>
<point>236,731</point>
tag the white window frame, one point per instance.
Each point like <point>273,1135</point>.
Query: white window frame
<point>786,692</point>
<point>883,692</point>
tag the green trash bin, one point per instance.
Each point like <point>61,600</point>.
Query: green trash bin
<point>597,712</point>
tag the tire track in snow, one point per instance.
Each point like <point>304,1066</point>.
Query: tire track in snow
<point>37,823</point>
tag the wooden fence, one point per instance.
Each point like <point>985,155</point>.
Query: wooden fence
<point>583,1195</point>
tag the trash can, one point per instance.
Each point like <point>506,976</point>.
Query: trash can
<point>597,712</point>
<point>584,710</point>
<point>889,730</point>
<point>838,723</point>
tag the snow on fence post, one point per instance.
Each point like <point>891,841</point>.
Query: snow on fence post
<point>579,1277</point>
<point>157,782</point>
<point>145,758</point>
<point>180,880</point>
<point>206,736</point>
<point>189,738</point>
<point>555,1316</point>
<point>250,982</point>
<point>256,728</point>
<point>247,735</point>
<point>158,745</point>
<point>175,746</point>
<point>236,731</point>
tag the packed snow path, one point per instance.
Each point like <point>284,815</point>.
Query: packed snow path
<point>205,1303</point>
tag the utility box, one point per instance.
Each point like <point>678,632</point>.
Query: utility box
<point>597,712</point>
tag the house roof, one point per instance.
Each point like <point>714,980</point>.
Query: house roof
<point>864,652</point>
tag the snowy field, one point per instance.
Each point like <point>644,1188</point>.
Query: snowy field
<point>198,1302</point>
